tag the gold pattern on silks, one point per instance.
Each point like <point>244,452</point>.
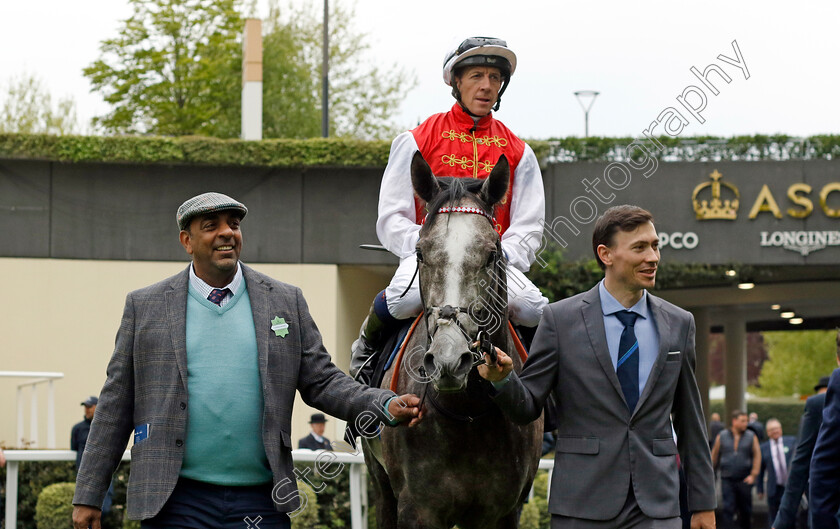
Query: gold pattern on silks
<point>466,163</point>
<point>454,135</point>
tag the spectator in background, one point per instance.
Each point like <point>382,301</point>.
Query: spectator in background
<point>775,463</point>
<point>800,465</point>
<point>78,440</point>
<point>316,440</point>
<point>80,431</point>
<point>737,452</point>
<point>825,465</point>
<point>715,427</point>
<point>758,427</point>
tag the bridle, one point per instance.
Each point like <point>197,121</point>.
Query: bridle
<point>448,315</point>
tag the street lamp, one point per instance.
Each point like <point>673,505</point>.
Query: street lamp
<point>581,95</point>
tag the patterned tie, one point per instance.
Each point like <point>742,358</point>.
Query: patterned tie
<point>627,367</point>
<point>217,295</point>
<point>780,456</point>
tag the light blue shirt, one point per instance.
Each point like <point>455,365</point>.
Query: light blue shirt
<point>645,330</point>
<point>236,285</point>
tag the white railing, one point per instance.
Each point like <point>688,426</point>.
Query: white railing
<point>358,489</point>
<point>38,377</point>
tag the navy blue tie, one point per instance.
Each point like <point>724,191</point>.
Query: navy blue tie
<point>627,367</point>
<point>217,295</point>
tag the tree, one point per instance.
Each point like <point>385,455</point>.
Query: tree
<point>362,96</point>
<point>28,108</point>
<point>796,360</point>
<point>174,68</point>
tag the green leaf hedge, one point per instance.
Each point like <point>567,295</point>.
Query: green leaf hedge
<point>359,153</point>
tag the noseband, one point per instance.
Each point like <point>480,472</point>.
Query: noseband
<point>449,315</point>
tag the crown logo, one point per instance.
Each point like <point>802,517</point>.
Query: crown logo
<point>715,208</point>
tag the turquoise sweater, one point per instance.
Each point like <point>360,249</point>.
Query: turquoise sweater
<point>224,442</point>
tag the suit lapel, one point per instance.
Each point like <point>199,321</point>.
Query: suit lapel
<point>176,311</point>
<point>663,328</point>
<point>258,292</point>
<point>593,318</point>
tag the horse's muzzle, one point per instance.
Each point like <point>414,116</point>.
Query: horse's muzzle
<point>448,374</point>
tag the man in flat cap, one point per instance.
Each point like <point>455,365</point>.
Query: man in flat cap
<point>204,374</point>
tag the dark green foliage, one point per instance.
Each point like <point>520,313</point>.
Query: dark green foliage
<point>307,517</point>
<point>535,513</point>
<point>172,69</point>
<point>35,476</point>
<point>558,279</point>
<point>796,360</point>
<point>54,509</point>
<point>175,68</point>
<point>195,150</point>
<point>279,152</point>
<point>332,495</point>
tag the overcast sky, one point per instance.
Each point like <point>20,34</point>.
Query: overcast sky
<point>637,54</point>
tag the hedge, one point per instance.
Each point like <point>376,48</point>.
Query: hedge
<point>54,509</point>
<point>559,278</point>
<point>35,476</point>
<point>332,152</point>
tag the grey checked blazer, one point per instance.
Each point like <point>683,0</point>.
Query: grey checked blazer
<point>147,384</point>
<point>602,448</point>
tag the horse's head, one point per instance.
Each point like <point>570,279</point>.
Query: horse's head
<point>462,273</point>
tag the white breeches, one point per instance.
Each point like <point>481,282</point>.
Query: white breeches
<point>525,301</point>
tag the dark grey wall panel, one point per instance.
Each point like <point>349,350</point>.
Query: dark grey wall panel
<point>25,209</point>
<point>104,211</point>
<point>322,215</point>
<point>339,214</point>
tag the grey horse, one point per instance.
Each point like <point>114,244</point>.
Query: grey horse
<point>465,463</point>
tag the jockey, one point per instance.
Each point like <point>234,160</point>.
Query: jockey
<point>466,141</point>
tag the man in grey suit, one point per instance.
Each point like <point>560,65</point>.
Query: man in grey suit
<point>620,364</point>
<point>204,372</point>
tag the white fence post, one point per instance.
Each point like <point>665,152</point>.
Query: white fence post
<point>11,493</point>
<point>50,414</point>
<point>33,416</point>
<point>38,377</point>
<point>355,497</point>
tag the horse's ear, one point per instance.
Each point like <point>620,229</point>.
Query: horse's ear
<point>424,182</point>
<point>496,185</point>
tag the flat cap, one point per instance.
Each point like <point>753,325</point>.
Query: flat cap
<point>206,203</point>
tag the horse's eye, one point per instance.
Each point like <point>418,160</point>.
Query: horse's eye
<point>491,259</point>
<point>419,254</point>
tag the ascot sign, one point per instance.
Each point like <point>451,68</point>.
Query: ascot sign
<point>713,205</point>
<point>765,201</point>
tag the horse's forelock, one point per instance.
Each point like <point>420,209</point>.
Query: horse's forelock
<point>453,189</point>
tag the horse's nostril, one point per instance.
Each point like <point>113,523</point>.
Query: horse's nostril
<point>429,364</point>
<point>464,363</point>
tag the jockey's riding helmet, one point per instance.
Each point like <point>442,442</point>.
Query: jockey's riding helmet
<point>480,51</point>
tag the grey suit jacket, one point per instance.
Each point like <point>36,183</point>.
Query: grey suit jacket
<point>147,384</point>
<point>601,447</point>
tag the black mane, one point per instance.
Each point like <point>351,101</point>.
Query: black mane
<point>454,189</point>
